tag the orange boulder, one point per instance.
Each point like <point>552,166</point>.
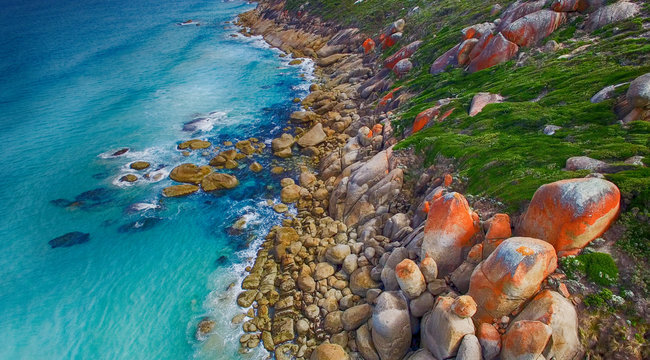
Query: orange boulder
<point>569,5</point>
<point>498,229</point>
<point>448,231</point>
<point>497,51</point>
<point>443,61</point>
<point>424,117</point>
<point>490,340</point>
<point>571,213</point>
<point>403,53</point>
<point>525,340</point>
<point>532,28</point>
<point>510,275</point>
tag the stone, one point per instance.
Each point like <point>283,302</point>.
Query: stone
<point>337,253</point>
<point>443,330</point>
<point>638,94</point>
<point>421,305</point>
<point>290,194</point>
<point>323,271</point>
<point>307,179</point>
<point>429,268</point>
<point>510,275</point>
<point>368,45</point>
<point>554,310</point>
<point>482,99</point>
<point>129,178</point>
<point>69,239</point>
<point>360,281</point>
<point>551,129</point>
<point>402,54</point>
<point>420,354</point>
<point>448,231</point>
<point>410,278</point>
<point>585,163</point>
<point>139,165</point>
<point>606,15</point>
<point>356,316</point>
<point>391,326</point>
<point>464,50</point>
<point>283,142</point>
<point>490,340</point>
<point>327,351</point>
<point>246,298</point>
<point>532,28</point>
<point>364,343</point>
<point>303,116</point>
<point>194,144</point>
<point>218,181</point>
<point>306,283</point>
<point>525,340</point>
<point>179,190</point>
<point>350,263</point>
<point>569,214</point>
<point>498,229</point>
<point>231,164</point>
<point>282,330</point>
<point>464,306</point>
<point>496,51</point>
<point>569,5</point>
<point>302,327</point>
<point>470,348</point>
<point>255,167</point>
<point>205,326</point>
<point>313,136</point>
<point>450,58</point>
<point>333,323</point>
<point>402,67</point>
<point>189,173</point>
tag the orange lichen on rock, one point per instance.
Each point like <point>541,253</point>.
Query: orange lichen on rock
<point>525,339</point>
<point>509,276</point>
<point>423,118</point>
<point>448,231</point>
<point>368,45</point>
<point>571,213</point>
<point>498,50</point>
<point>534,27</point>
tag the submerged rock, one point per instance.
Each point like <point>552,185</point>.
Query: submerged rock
<point>179,190</point>
<point>140,225</point>
<point>120,152</point>
<point>69,239</point>
<point>218,181</point>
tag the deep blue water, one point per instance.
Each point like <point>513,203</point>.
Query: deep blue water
<point>80,80</point>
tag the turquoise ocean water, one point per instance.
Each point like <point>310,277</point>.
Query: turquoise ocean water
<point>80,80</point>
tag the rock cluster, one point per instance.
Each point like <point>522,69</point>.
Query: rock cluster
<point>370,269</point>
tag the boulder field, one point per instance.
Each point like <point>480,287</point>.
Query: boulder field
<point>380,262</point>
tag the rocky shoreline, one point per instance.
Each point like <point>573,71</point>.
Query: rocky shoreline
<point>384,259</point>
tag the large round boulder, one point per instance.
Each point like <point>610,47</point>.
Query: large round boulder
<point>194,144</point>
<point>510,275</point>
<point>391,326</point>
<point>571,213</point>
<point>189,173</point>
<point>313,136</point>
<point>532,28</point>
<point>361,281</point>
<point>448,232</point>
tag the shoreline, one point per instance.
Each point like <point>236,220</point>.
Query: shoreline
<point>387,259</point>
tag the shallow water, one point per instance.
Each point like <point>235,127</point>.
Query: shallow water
<point>80,81</point>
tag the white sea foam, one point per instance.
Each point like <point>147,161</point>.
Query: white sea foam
<point>142,206</point>
<point>205,123</point>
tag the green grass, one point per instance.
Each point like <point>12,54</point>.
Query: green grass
<point>598,267</point>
